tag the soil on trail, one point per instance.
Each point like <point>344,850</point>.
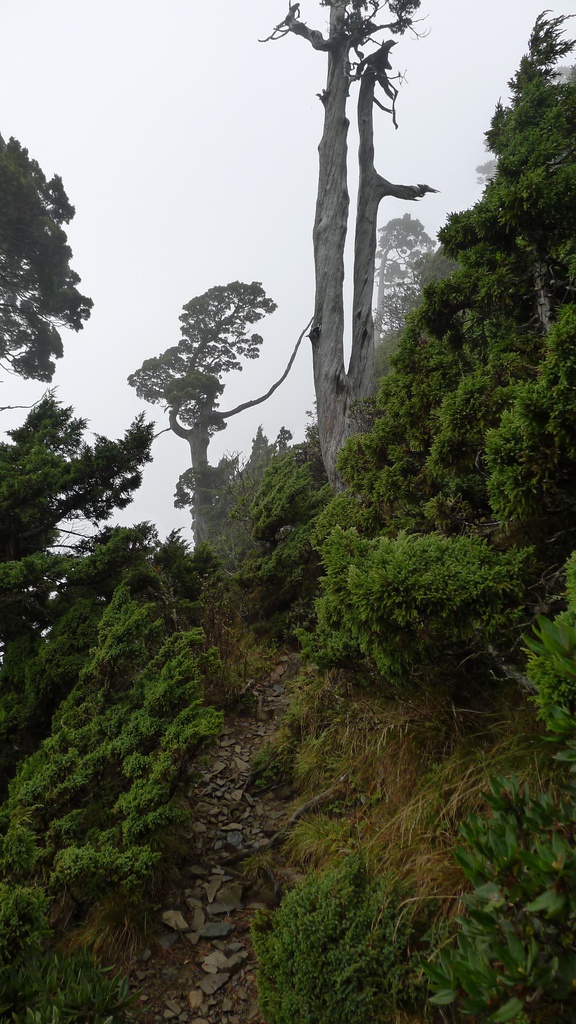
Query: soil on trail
<point>199,967</point>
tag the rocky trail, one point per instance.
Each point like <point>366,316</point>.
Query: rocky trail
<point>199,967</point>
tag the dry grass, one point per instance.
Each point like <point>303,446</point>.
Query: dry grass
<point>417,839</point>
<point>415,769</point>
<point>321,840</point>
<point>114,929</point>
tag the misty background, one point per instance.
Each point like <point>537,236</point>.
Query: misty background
<point>189,150</point>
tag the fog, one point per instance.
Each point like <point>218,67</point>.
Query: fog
<point>189,150</point>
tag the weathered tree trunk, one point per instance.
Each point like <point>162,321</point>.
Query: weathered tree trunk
<point>198,438</point>
<point>337,389</point>
<point>330,227</point>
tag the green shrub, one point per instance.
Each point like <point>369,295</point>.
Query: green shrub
<point>55,989</point>
<point>552,665</point>
<point>90,809</point>
<point>23,922</point>
<point>413,602</point>
<point>515,944</point>
<point>531,455</point>
<point>335,952</point>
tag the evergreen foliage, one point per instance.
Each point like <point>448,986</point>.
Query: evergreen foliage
<point>472,453</point>
<point>515,943</point>
<point>227,492</point>
<point>552,665</point>
<point>489,349</point>
<point>52,480</point>
<point>282,573</point>
<point>88,810</point>
<point>336,951</point>
<point>38,292</point>
<point>53,989</point>
<point>186,379</point>
<point>215,334</point>
<point>409,260</point>
<point>416,605</point>
<point>103,665</point>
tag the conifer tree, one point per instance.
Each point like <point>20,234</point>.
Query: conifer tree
<point>38,288</point>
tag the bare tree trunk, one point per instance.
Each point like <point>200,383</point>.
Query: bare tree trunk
<point>330,227</point>
<point>361,369</point>
<point>336,389</point>
<point>199,439</point>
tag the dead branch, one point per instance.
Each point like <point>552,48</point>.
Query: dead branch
<point>409,192</point>
<point>293,24</point>
<point>264,398</point>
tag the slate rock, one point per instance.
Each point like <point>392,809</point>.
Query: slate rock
<point>212,887</point>
<point>213,982</point>
<point>175,920</point>
<point>196,870</point>
<point>198,919</point>
<point>168,940</point>
<point>231,895</point>
<point>195,998</point>
<point>234,839</point>
<point>216,908</point>
<point>229,948</point>
<point>216,930</point>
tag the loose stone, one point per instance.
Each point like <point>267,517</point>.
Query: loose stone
<point>213,982</point>
<point>216,930</point>
<point>212,887</point>
<point>195,998</point>
<point>174,919</point>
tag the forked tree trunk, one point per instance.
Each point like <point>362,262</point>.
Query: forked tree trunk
<point>337,388</point>
<point>330,227</point>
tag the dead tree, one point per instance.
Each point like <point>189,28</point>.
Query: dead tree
<point>351,27</point>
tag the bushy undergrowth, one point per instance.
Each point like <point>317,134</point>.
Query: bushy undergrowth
<point>515,942</point>
<point>281,577</point>
<point>53,989</point>
<point>552,665</point>
<point>88,811</point>
<point>414,604</point>
<point>337,950</point>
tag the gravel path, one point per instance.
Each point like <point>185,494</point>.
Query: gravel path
<point>200,966</point>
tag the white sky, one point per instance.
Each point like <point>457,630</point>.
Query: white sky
<point>189,151</point>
